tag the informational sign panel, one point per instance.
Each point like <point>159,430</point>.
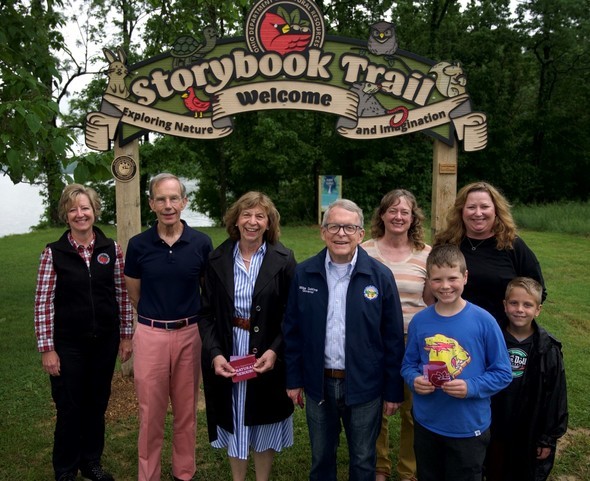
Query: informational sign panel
<point>329,190</point>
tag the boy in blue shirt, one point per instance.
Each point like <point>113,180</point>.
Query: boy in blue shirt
<point>455,361</point>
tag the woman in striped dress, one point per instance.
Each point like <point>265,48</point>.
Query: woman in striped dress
<point>398,242</point>
<point>244,296</point>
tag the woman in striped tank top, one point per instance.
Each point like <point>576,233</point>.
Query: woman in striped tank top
<point>397,240</point>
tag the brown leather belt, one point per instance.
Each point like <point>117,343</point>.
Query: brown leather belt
<point>242,323</point>
<point>334,373</point>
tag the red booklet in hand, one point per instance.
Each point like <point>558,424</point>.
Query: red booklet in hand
<point>244,366</point>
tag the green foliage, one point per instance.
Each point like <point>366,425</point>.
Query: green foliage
<point>33,146</point>
<point>528,73</point>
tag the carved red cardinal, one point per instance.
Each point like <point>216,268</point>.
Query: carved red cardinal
<point>195,104</point>
<point>276,36</point>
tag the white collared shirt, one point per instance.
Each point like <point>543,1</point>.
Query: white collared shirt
<point>338,277</point>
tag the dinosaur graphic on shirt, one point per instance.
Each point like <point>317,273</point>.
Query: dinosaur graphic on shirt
<point>448,350</point>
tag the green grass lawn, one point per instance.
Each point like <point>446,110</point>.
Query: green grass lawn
<point>27,413</point>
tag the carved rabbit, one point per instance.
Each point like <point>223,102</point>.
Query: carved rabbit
<point>117,72</point>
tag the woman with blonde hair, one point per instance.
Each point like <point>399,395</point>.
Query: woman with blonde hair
<point>481,224</point>
<point>83,318</point>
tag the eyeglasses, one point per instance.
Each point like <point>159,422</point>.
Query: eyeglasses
<point>349,229</point>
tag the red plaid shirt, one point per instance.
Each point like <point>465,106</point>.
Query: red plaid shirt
<point>45,294</point>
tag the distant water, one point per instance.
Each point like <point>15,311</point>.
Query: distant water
<point>194,218</point>
<point>21,207</point>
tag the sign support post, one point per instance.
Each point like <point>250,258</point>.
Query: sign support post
<point>444,183</point>
<point>127,198</point>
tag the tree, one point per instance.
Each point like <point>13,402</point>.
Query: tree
<point>558,38</point>
<point>528,74</point>
<point>33,145</point>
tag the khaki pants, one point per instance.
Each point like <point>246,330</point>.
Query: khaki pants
<point>406,466</point>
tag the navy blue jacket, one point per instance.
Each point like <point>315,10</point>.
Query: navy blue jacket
<point>374,344</point>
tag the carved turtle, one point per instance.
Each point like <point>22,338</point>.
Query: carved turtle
<point>186,49</point>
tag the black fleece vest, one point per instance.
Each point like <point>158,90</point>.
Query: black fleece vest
<point>85,303</point>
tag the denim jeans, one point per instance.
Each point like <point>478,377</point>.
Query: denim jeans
<point>361,425</point>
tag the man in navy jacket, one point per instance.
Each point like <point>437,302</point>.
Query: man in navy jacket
<point>343,333</point>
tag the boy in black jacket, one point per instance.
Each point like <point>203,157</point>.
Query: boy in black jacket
<point>531,413</point>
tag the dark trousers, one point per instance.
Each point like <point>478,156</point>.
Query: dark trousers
<point>442,458</point>
<point>361,424</point>
<point>81,395</point>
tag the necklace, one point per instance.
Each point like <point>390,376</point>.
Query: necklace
<point>474,247</point>
<point>244,257</point>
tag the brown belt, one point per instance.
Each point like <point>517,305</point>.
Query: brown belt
<point>242,323</point>
<point>334,373</point>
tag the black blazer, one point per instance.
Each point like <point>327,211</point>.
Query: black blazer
<point>266,398</point>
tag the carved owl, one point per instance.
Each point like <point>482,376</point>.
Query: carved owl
<point>382,40</point>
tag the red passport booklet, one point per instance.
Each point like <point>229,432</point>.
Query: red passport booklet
<point>244,366</point>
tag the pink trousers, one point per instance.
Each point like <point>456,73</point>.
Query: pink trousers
<point>167,367</point>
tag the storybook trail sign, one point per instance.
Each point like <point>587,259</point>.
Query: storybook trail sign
<point>285,60</point>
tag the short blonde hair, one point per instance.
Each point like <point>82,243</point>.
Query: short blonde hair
<point>531,286</point>
<point>69,196</point>
<point>248,201</point>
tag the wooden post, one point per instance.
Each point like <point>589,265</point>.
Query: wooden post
<point>444,183</point>
<point>127,197</point>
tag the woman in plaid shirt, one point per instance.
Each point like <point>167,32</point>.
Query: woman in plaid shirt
<point>83,317</point>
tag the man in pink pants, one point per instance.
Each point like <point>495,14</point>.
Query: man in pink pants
<point>163,270</point>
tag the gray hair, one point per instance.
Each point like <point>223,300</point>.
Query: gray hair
<point>165,176</point>
<point>345,204</point>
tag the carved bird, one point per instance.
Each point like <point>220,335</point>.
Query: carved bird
<point>382,40</point>
<point>276,35</point>
<point>187,50</point>
<point>194,103</point>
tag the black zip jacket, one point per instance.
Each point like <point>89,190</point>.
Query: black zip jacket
<point>85,303</point>
<point>540,414</point>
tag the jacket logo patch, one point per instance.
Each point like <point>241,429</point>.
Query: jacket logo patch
<point>103,259</point>
<point>371,293</point>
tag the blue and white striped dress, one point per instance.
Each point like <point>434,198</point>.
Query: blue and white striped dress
<point>264,436</point>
